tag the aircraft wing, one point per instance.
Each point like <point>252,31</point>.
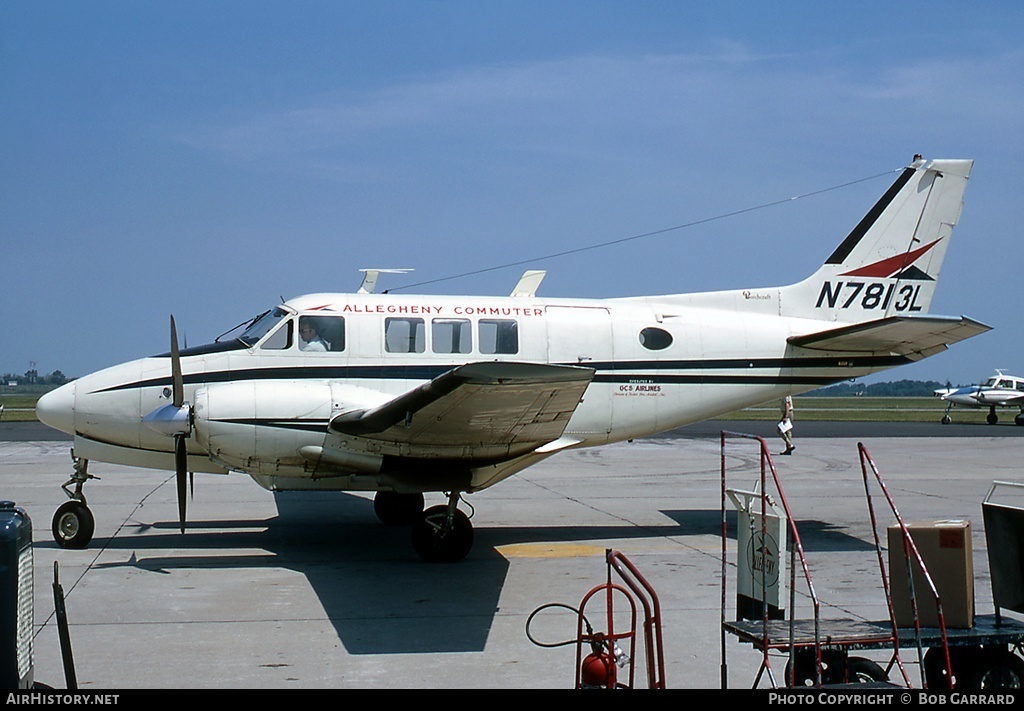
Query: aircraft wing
<point>484,407</point>
<point>901,335</point>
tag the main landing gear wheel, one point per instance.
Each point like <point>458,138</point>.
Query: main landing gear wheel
<point>394,509</point>
<point>73,525</point>
<point>442,537</point>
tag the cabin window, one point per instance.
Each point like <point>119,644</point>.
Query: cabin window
<point>280,339</point>
<point>321,333</point>
<point>451,335</point>
<point>498,336</point>
<point>655,339</point>
<point>404,335</point>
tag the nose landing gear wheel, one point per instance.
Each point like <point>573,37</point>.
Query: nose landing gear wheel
<point>73,525</point>
<point>438,540</point>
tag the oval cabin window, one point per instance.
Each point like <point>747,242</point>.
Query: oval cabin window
<point>655,339</point>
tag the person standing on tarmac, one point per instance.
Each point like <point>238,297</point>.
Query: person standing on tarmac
<point>786,424</point>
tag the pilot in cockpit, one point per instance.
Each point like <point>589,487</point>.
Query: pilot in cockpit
<point>308,332</point>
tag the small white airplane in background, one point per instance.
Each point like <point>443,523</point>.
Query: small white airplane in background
<point>404,395</point>
<point>998,391</point>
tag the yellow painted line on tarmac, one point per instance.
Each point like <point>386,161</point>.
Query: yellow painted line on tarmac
<point>583,550</point>
<point>549,550</point>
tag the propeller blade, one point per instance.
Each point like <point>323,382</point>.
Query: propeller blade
<point>180,475</point>
<point>177,383</point>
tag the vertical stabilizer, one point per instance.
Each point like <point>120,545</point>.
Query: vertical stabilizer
<point>889,264</point>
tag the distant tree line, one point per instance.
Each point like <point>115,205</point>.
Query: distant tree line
<point>32,377</point>
<point>899,388</point>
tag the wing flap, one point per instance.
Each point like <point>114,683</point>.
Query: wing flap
<point>491,406</point>
<point>900,335</point>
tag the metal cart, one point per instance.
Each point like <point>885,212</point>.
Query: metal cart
<point>615,648</point>
<point>818,651</point>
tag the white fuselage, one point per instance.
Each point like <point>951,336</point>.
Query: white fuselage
<point>657,366</point>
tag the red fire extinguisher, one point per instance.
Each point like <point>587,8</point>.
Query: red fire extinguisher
<point>598,670</point>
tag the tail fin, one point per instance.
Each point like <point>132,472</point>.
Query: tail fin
<point>889,264</point>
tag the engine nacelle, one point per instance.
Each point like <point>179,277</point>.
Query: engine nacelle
<point>278,428</point>
<point>260,425</point>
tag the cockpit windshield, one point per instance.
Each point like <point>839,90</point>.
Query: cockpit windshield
<point>262,326</point>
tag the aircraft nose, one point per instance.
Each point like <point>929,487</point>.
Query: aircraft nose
<point>57,408</point>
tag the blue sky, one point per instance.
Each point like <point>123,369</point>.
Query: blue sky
<point>206,159</point>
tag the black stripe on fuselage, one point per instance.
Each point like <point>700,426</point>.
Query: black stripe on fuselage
<point>705,379</point>
<point>807,363</point>
<point>326,372</point>
<point>318,426</point>
<point>844,249</point>
<point>682,371</point>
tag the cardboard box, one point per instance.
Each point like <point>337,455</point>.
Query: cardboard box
<point>945,548</point>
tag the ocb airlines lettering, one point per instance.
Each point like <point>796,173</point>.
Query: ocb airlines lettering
<point>638,387</point>
<point>869,295</point>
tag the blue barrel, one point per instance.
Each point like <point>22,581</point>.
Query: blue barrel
<point>17,618</point>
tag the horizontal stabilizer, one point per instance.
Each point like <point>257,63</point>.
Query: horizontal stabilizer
<point>479,405</point>
<point>900,335</point>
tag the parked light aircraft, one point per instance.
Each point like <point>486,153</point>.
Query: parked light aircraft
<point>998,391</point>
<point>404,395</point>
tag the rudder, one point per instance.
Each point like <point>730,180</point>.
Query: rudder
<point>889,263</point>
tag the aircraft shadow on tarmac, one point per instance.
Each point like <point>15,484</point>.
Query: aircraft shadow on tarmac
<point>377,594</point>
<point>816,536</point>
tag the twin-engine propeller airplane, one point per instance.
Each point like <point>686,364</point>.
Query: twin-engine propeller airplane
<point>405,395</point>
<point>998,391</point>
